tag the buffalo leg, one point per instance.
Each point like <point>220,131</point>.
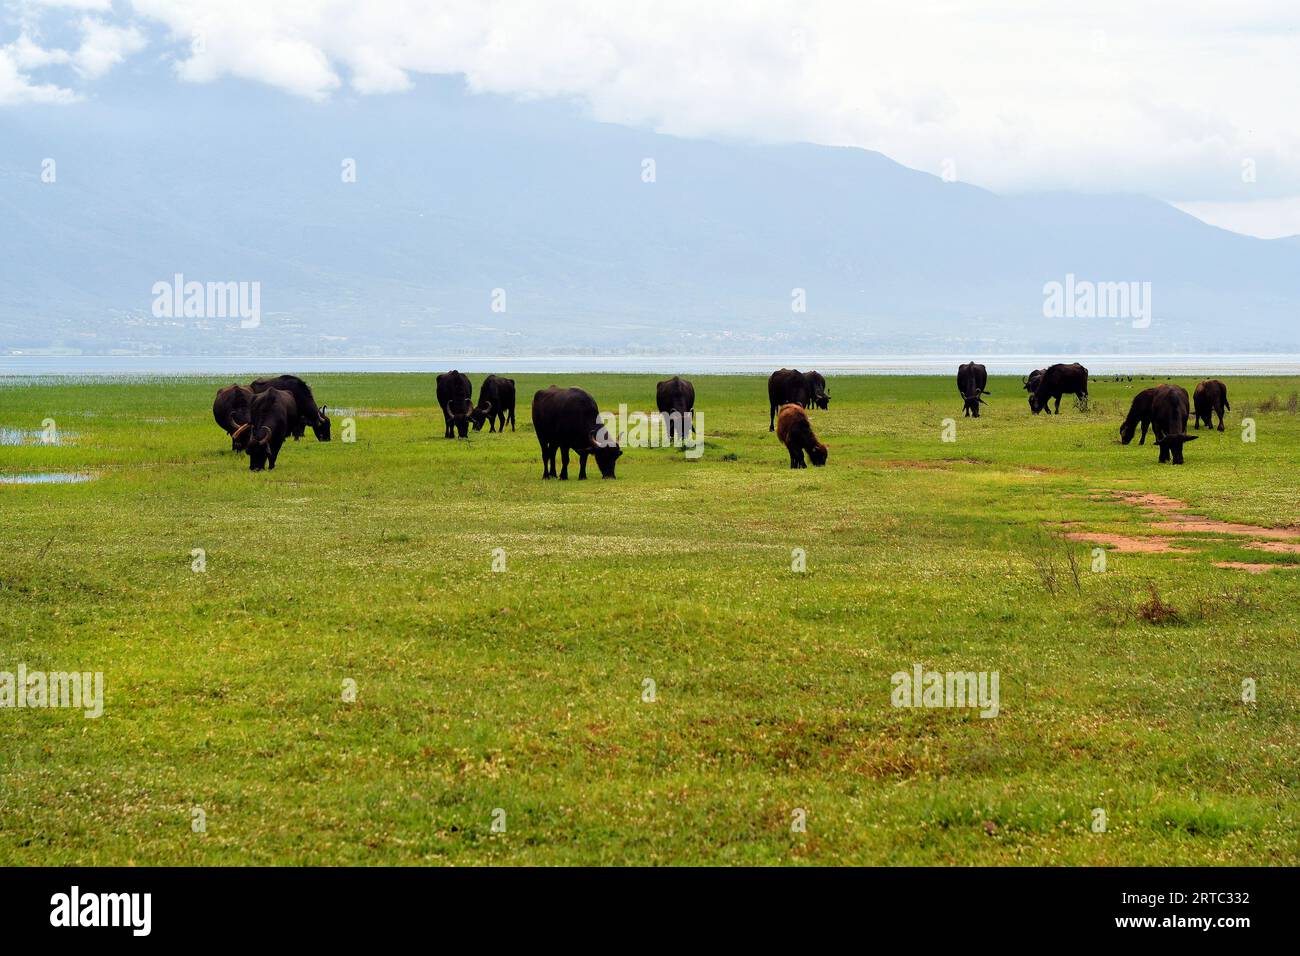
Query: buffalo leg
<point>1219,411</point>
<point>796,458</point>
<point>447,421</point>
<point>1058,404</point>
<point>582,466</point>
<point>771,418</point>
<point>564,458</point>
<point>1143,439</point>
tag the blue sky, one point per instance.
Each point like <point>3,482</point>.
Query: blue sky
<point>1191,102</point>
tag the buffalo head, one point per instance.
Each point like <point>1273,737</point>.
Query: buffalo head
<point>460,416</point>
<point>605,450</point>
<point>479,415</point>
<point>322,427</point>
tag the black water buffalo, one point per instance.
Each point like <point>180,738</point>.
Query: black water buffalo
<point>567,418</point>
<point>230,409</point>
<point>272,417</point>
<point>1169,407</point>
<point>795,431</point>
<point>789,386</point>
<point>1210,396</point>
<point>675,399</point>
<point>496,401</point>
<point>971,379</point>
<point>1139,413</point>
<point>1058,380</point>
<point>817,390</point>
<point>456,399</point>
<point>309,416</point>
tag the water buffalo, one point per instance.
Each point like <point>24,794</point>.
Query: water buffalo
<point>272,417</point>
<point>567,418</point>
<point>788,386</point>
<point>795,431</point>
<point>309,416</point>
<point>675,398</point>
<point>496,401</point>
<point>1169,408</point>
<point>817,390</point>
<point>230,409</point>
<point>1031,380</point>
<point>456,399</point>
<point>971,379</point>
<point>1139,413</point>
<point>1058,380</point>
<point>1210,396</point>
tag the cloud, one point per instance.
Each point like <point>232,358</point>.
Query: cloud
<point>1263,218</point>
<point>1015,94</point>
<point>104,46</point>
<point>17,87</point>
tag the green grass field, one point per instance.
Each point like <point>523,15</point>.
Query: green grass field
<point>522,691</point>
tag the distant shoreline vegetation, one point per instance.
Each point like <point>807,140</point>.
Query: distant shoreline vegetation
<point>111,366</point>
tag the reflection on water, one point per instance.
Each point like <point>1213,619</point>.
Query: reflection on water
<point>29,436</point>
<point>47,478</point>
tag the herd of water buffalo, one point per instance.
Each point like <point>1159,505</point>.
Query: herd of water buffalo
<point>259,417</point>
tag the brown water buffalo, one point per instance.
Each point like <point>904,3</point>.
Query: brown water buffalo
<point>309,416</point>
<point>272,416</point>
<point>971,381</point>
<point>568,419</point>
<point>496,402</point>
<point>1139,413</point>
<point>456,399</point>
<point>795,431</point>
<point>1058,380</point>
<point>230,409</point>
<point>1169,408</point>
<point>1211,396</point>
<point>675,399</point>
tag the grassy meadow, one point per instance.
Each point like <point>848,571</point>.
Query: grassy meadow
<point>518,696</point>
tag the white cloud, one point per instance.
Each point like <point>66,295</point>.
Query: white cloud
<point>104,46</point>
<point>1264,218</point>
<point>17,86</point>
<point>1167,100</point>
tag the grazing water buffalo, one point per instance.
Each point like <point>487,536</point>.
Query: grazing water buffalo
<point>309,416</point>
<point>1139,413</point>
<point>230,409</point>
<point>272,417</point>
<point>1169,408</point>
<point>1210,396</point>
<point>456,399</point>
<point>817,390</point>
<point>971,379</point>
<point>567,418</point>
<point>795,431</point>
<point>496,400</point>
<point>789,386</point>
<point>1058,380</point>
<point>675,398</point>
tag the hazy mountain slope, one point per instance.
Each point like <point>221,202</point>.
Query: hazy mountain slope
<point>459,195</point>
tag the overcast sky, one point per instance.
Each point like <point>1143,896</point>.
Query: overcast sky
<point>1195,103</point>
